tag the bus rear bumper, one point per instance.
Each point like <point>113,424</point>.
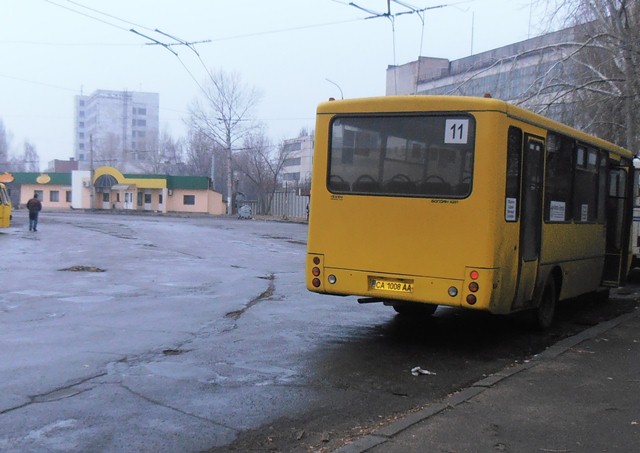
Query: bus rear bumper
<point>474,291</point>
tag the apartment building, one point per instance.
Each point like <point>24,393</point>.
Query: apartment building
<point>515,73</point>
<point>115,127</point>
<point>296,170</point>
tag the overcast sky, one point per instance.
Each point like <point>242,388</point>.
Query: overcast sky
<point>51,50</point>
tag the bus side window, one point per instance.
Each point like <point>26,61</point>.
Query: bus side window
<point>558,180</point>
<point>585,188</point>
<point>602,188</point>
<point>512,192</point>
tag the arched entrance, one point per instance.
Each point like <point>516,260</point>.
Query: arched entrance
<point>102,187</point>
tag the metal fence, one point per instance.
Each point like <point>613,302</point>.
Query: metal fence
<point>285,204</point>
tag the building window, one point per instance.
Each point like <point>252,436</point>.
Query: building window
<point>140,194</point>
<point>291,162</point>
<point>147,198</point>
<point>291,176</point>
<point>295,146</point>
<point>105,197</point>
<point>68,196</point>
<point>54,196</point>
<point>159,198</point>
<point>189,200</point>
<point>39,193</point>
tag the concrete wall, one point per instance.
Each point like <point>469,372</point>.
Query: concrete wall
<point>27,191</point>
<point>205,201</point>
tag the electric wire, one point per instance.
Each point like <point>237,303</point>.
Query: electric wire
<point>422,19</point>
<point>86,15</point>
<point>167,45</point>
<point>109,15</point>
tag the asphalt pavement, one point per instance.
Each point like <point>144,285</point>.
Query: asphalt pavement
<point>189,341</point>
<point>580,395</point>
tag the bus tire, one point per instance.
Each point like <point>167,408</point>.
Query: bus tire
<point>544,313</point>
<point>415,309</point>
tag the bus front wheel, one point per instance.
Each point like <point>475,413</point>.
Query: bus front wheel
<point>543,315</point>
<point>415,309</point>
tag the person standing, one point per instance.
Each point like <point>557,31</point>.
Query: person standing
<point>34,206</point>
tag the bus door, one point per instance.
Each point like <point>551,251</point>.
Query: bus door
<point>530,219</point>
<point>618,225</point>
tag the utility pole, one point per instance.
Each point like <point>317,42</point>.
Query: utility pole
<point>213,169</point>
<point>91,188</point>
<point>229,174</point>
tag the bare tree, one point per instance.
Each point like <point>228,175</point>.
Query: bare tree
<point>204,157</point>
<point>4,147</point>
<point>599,74</point>
<point>261,164</point>
<point>30,157</point>
<point>29,161</point>
<point>224,115</point>
<point>198,153</point>
<point>169,155</point>
<point>106,150</point>
<point>586,75</point>
<point>162,154</point>
<point>16,164</point>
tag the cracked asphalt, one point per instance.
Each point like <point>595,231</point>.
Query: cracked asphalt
<point>144,355</point>
<point>200,336</point>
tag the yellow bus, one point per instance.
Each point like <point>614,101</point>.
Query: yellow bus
<point>420,201</point>
<point>5,207</point>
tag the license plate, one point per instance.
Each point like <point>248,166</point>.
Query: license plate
<point>393,285</point>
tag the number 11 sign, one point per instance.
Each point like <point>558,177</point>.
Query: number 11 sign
<point>456,131</point>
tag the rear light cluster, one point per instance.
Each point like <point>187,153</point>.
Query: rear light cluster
<point>316,272</point>
<point>473,288</point>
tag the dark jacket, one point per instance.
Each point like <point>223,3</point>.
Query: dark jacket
<point>34,206</point>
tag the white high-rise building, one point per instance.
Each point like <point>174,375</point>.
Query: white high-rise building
<point>115,128</point>
<point>296,168</point>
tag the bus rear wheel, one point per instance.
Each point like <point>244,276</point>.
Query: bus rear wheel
<point>544,314</point>
<point>415,309</point>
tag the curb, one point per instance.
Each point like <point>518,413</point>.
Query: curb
<point>386,433</point>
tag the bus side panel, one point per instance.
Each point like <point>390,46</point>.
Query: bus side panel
<point>579,251</point>
<point>493,136</point>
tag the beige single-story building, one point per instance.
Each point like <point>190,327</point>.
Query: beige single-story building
<point>109,189</point>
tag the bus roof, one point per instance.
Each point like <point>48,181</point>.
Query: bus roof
<point>420,103</point>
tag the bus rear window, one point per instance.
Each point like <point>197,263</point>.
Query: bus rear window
<point>402,155</point>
